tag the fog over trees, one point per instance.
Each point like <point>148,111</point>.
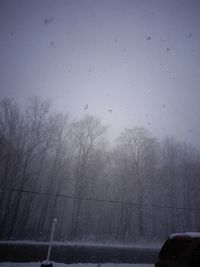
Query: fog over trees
<point>52,166</point>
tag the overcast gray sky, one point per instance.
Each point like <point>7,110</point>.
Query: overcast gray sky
<point>133,62</point>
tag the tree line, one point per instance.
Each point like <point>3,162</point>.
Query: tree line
<point>149,188</point>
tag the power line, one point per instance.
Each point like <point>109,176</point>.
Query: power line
<point>96,199</point>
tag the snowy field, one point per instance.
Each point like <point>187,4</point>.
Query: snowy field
<point>38,264</point>
<point>141,244</point>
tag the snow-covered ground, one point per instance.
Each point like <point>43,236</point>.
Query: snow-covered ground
<point>55,264</point>
<point>147,245</point>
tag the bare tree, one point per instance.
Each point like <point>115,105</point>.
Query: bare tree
<point>59,167</point>
<point>88,136</point>
<point>136,146</point>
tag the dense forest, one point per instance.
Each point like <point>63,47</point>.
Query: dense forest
<point>54,166</point>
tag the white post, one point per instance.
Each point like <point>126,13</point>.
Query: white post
<point>51,239</point>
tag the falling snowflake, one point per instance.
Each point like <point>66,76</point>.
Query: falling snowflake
<point>48,21</point>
